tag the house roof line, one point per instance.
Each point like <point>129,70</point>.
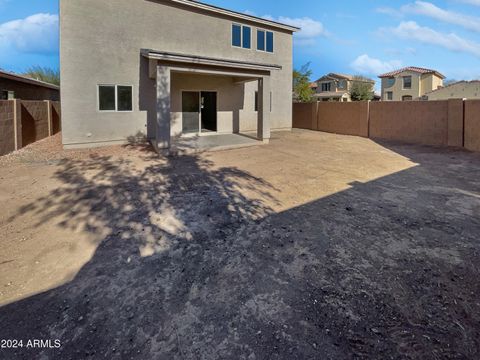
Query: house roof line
<point>453,84</point>
<point>236,14</point>
<point>25,79</point>
<point>413,69</point>
<point>335,76</point>
<point>202,60</point>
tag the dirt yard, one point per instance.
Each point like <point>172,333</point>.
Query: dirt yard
<point>316,246</point>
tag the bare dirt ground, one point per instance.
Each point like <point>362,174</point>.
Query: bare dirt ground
<point>316,246</point>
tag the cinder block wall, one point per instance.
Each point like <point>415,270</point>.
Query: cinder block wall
<point>305,115</point>
<point>24,122</point>
<point>35,120</point>
<point>7,127</point>
<point>472,125</point>
<point>453,122</point>
<point>349,118</point>
<point>418,122</point>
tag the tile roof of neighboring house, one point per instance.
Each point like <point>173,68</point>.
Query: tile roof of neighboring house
<point>414,69</point>
<point>341,76</point>
<point>313,85</point>
<point>236,14</point>
<point>453,84</point>
<point>25,79</point>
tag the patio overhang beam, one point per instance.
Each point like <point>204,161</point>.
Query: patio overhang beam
<point>199,64</point>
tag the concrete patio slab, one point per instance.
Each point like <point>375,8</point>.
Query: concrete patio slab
<point>196,144</point>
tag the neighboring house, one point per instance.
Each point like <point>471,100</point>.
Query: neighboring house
<point>458,90</point>
<point>409,83</point>
<point>165,68</point>
<point>14,86</point>
<point>334,87</point>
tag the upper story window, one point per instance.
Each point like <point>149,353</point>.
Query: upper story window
<point>241,36</point>
<point>390,82</point>
<point>264,40</point>
<point>326,86</point>
<point>407,82</point>
<point>115,98</point>
<point>342,84</point>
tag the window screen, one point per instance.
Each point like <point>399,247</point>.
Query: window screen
<point>261,40</point>
<point>269,41</point>
<point>106,97</point>
<point>124,98</point>
<point>246,35</point>
<point>236,35</point>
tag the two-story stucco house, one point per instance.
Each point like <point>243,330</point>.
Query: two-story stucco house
<point>409,83</point>
<point>335,87</point>
<point>165,68</point>
<point>458,90</point>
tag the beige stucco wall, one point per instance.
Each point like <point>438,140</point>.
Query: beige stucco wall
<point>462,90</point>
<point>101,43</point>
<point>420,85</point>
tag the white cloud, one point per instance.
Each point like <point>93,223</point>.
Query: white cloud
<point>410,30</point>
<point>365,64</point>
<point>310,29</point>
<point>433,11</point>
<point>35,34</point>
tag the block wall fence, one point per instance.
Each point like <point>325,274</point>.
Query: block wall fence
<point>24,122</point>
<point>454,122</point>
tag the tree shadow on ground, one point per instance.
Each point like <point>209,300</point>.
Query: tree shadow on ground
<point>191,268</point>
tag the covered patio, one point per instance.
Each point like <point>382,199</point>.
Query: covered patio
<point>200,101</point>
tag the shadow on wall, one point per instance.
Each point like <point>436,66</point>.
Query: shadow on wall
<point>29,132</point>
<point>238,105</point>
<point>147,97</point>
<point>193,268</point>
<point>56,120</point>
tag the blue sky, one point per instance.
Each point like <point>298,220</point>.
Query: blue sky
<point>359,37</point>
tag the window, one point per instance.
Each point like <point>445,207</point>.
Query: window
<point>326,86</point>
<point>389,95</point>
<point>407,98</point>
<point>261,40</point>
<point>115,98</point>
<point>246,37</point>
<point>264,40</point>
<point>270,41</point>
<point>390,82</point>
<point>7,95</point>
<point>342,84</point>
<point>236,35</point>
<point>241,36</point>
<point>407,82</point>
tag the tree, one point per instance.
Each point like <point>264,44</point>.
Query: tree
<point>362,89</point>
<point>44,74</point>
<point>301,84</point>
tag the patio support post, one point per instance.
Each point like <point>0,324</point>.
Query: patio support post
<point>264,105</point>
<point>163,107</point>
